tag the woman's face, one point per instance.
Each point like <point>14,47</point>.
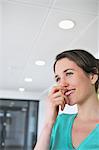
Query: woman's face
<point>75,82</point>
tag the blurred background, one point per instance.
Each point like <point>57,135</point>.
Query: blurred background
<point>32,33</point>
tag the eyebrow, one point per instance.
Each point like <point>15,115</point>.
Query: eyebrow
<point>64,71</point>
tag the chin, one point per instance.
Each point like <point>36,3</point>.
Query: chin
<point>71,103</point>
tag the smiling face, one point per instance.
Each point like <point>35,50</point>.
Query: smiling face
<point>78,86</point>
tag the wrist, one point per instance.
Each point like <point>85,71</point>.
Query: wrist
<point>49,124</point>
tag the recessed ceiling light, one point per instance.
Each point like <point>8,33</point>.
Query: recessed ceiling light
<point>66,24</point>
<point>21,89</point>
<point>28,79</point>
<point>40,62</point>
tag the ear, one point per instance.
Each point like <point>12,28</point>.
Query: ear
<point>93,78</point>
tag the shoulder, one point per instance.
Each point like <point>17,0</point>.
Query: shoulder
<point>65,116</point>
<point>62,122</point>
<point>61,125</point>
<point>64,119</point>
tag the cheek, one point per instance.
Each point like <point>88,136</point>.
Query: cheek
<point>84,84</point>
<point>74,81</point>
<point>80,81</point>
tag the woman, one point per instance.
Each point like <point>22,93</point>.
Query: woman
<point>77,76</point>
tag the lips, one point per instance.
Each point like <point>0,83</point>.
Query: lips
<point>68,92</point>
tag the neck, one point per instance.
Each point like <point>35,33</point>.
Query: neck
<point>89,109</point>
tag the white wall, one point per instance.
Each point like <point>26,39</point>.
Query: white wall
<point>0,26</point>
<point>19,95</point>
<point>98,27</point>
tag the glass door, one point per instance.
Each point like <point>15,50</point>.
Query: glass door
<point>12,127</point>
<point>18,124</point>
<point>2,130</point>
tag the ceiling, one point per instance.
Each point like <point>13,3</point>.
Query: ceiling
<point>29,31</point>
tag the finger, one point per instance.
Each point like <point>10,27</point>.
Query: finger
<point>55,89</point>
<point>65,99</point>
<point>59,101</point>
<point>58,94</point>
<point>61,106</point>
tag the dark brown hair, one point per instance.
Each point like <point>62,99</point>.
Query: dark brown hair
<point>83,59</point>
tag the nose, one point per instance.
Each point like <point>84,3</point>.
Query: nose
<point>64,82</point>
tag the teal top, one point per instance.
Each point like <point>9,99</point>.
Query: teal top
<point>61,137</point>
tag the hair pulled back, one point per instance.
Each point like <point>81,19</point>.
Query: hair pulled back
<point>83,59</point>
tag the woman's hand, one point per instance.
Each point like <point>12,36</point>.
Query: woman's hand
<point>55,99</point>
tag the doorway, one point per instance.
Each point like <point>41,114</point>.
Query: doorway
<point>16,119</point>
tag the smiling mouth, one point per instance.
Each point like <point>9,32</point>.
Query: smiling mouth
<point>69,92</point>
